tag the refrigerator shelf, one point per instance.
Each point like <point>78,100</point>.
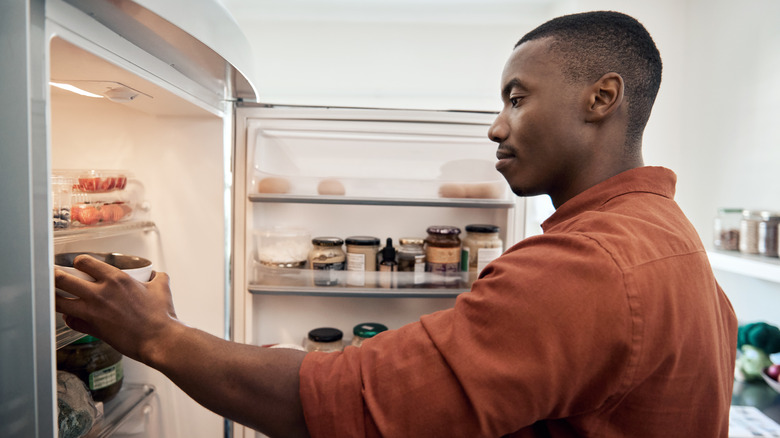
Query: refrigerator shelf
<point>342,200</point>
<point>133,398</point>
<point>95,232</point>
<point>349,291</point>
<point>65,334</point>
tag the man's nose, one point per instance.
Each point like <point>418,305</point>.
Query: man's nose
<point>498,130</point>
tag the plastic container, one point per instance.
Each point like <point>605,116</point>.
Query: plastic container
<point>96,363</point>
<point>61,193</point>
<point>748,231</point>
<point>726,226</point>
<point>325,339</point>
<point>481,245</point>
<point>442,255</point>
<point>326,258</point>
<point>767,233</point>
<point>281,247</point>
<point>366,330</point>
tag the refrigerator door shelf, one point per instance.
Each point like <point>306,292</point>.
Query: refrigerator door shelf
<point>422,202</point>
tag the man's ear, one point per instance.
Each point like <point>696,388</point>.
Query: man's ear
<point>605,98</point>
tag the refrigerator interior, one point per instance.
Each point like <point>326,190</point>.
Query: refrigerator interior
<point>170,149</point>
<point>397,169</point>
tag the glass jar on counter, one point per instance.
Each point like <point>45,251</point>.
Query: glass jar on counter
<point>725,235</point>
<point>748,231</point>
<point>442,255</point>
<point>326,258</point>
<point>366,330</point>
<point>480,246</point>
<point>767,233</point>
<point>411,258</point>
<point>96,363</point>
<point>361,257</point>
<point>325,339</point>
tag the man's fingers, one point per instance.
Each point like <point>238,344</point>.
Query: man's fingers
<point>94,267</point>
<point>71,284</point>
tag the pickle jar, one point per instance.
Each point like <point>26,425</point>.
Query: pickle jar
<point>480,246</point>
<point>442,255</point>
<point>366,330</point>
<point>325,339</point>
<point>725,230</point>
<point>748,231</point>
<point>96,363</point>
<point>411,259</point>
<point>767,233</point>
<point>326,258</point>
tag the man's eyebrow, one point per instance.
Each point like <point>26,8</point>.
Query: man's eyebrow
<point>514,83</point>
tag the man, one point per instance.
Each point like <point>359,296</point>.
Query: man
<point>609,324</point>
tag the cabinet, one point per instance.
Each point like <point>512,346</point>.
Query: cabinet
<point>763,268</point>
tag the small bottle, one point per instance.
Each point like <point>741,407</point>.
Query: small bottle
<point>725,234</point>
<point>325,339</point>
<point>96,363</point>
<point>411,258</point>
<point>361,258</point>
<point>442,255</point>
<point>480,246</point>
<point>326,258</point>
<point>366,330</point>
<point>387,265</point>
<point>748,231</point>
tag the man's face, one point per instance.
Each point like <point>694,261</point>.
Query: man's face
<point>539,127</point>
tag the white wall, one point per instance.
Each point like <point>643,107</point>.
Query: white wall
<point>715,121</point>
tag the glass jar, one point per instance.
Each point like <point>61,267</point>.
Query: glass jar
<point>361,257</point>
<point>442,255</point>
<point>326,258</point>
<point>411,258</point>
<point>725,234</point>
<point>767,233</point>
<point>480,246</point>
<point>325,339</point>
<point>96,363</point>
<point>748,231</point>
<point>366,330</point>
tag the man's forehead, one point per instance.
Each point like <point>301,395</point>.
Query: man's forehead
<point>529,59</point>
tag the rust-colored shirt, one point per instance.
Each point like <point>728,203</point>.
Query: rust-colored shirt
<point>610,324</point>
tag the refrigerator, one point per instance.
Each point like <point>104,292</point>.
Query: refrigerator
<point>175,113</point>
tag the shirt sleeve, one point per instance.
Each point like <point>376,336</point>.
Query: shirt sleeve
<point>545,332</point>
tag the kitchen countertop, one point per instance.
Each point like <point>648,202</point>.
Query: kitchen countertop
<point>757,394</point>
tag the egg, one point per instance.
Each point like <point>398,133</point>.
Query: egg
<point>491,190</point>
<point>330,186</point>
<point>274,184</point>
<point>452,190</point>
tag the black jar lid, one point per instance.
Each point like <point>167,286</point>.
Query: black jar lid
<point>325,334</point>
<point>363,240</point>
<point>443,229</point>
<point>482,228</point>
<point>327,241</point>
<point>368,329</point>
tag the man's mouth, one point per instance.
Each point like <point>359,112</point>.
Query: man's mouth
<point>504,156</point>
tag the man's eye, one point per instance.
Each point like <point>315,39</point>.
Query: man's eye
<point>514,101</point>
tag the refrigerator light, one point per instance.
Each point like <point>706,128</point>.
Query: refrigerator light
<point>73,89</point>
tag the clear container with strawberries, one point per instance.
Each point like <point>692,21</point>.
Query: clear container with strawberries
<point>97,197</point>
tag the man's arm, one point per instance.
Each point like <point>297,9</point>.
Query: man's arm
<point>254,386</point>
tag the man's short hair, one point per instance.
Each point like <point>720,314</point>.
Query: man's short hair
<point>591,44</point>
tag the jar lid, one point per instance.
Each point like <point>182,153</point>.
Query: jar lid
<point>363,240</point>
<point>770,215</point>
<point>411,241</point>
<point>749,213</point>
<point>327,241</point>
<point>325,334</point>
<point>86,340</point>
<point>368,329</point>
<point>443,229</point>
<point>482,228</point>
<point>730,210</point>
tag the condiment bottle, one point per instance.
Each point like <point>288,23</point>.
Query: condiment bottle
<point>366,330</point>
<point>96,363</point>
<point>480,246</point>
<point>767,233</point>
<point>387,265</point>
<point>442,255</point>
<point>361,257</point>
<point>748,231</point>
<point>725,234</point>
<point>411,258</point>
<point>325,339</point>
<point>326,258</point>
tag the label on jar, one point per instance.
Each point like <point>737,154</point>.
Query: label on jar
<point>443,255</point>
<point>106,377</point>
<point>356,269</point>
<point>485,256</point>
<point>419,269</point>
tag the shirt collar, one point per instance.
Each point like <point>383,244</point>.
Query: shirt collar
<point>658,180</point>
